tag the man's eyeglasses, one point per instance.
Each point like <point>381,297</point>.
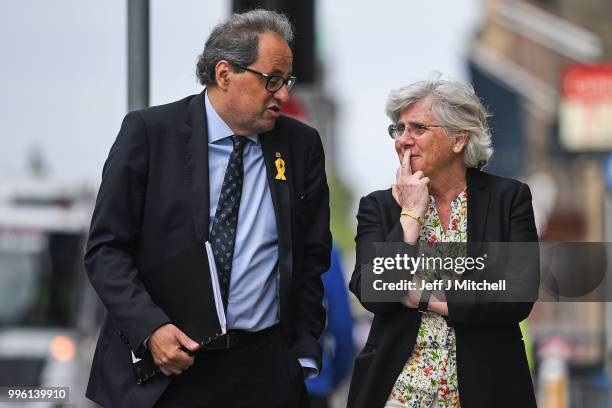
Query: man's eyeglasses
<point>414,128</point>
<point>274,82</point>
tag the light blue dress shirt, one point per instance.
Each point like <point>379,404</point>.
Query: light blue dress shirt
<point>252,303</point>
<point>253,296</point>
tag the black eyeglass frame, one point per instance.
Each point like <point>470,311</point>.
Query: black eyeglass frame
<point>422,126</point>
<point>289,81</point>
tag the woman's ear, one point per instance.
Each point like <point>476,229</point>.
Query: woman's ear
<point>460,141</point>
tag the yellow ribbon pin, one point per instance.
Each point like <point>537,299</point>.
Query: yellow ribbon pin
<point>280,169</point>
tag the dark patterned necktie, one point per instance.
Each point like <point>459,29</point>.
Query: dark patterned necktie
<point>223,232</point>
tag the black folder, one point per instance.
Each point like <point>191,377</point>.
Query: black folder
<point>186,288</point>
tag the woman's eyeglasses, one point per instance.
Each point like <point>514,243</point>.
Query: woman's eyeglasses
<point>414,128</point>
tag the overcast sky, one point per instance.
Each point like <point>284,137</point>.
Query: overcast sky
<point>63,73</point>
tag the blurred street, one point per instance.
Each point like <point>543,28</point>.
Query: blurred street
<point>543,68</point>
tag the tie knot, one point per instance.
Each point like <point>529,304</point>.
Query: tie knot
<point>239,142</point>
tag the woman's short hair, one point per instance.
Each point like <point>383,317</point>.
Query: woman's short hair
<point>237,41</point>
<point>457,108</point>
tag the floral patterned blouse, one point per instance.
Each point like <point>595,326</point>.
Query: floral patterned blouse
<point>432,368</point>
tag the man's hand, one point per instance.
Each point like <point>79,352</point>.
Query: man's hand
<point>410,190</point>
<point>167,346</point>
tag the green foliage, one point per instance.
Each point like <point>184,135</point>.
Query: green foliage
<point>342,219</point>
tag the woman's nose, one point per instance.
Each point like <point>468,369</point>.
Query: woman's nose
<point>406,138</point>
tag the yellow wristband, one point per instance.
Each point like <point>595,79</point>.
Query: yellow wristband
<point>414,215</point>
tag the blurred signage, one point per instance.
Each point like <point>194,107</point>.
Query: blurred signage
<point>585,111</point>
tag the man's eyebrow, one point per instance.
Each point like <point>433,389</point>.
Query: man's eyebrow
<point>278,72</point>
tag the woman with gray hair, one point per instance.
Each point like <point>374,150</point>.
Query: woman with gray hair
<point>452,353</point>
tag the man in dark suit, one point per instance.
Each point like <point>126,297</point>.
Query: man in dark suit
<point>223,166</point>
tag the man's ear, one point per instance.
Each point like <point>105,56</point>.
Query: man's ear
<point>223,74</point>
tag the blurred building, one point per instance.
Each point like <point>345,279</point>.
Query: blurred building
<point>518,62</point>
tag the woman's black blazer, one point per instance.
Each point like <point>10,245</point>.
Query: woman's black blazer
<point>492,368</point>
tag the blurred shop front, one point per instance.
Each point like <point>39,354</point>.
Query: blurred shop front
<point>540,67</point>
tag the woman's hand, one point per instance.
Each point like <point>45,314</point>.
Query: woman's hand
<point>437,300</point>
<point>437,303</point>
<point>413,297</point>
<point>409,301</point>
<point>437,306</point>
<point>411,194</point>
<point>411,190</point>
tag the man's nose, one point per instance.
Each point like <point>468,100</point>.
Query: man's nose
<point>282,94</point>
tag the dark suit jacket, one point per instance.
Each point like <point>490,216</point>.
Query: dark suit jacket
<point>492,367</point>
<point>154,203</point>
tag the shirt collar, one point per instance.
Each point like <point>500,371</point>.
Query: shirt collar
<point>217,128</point>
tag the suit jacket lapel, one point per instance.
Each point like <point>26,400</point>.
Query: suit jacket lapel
<point>478,205</point>
<point>196,136</point>
<point>276,146</point>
